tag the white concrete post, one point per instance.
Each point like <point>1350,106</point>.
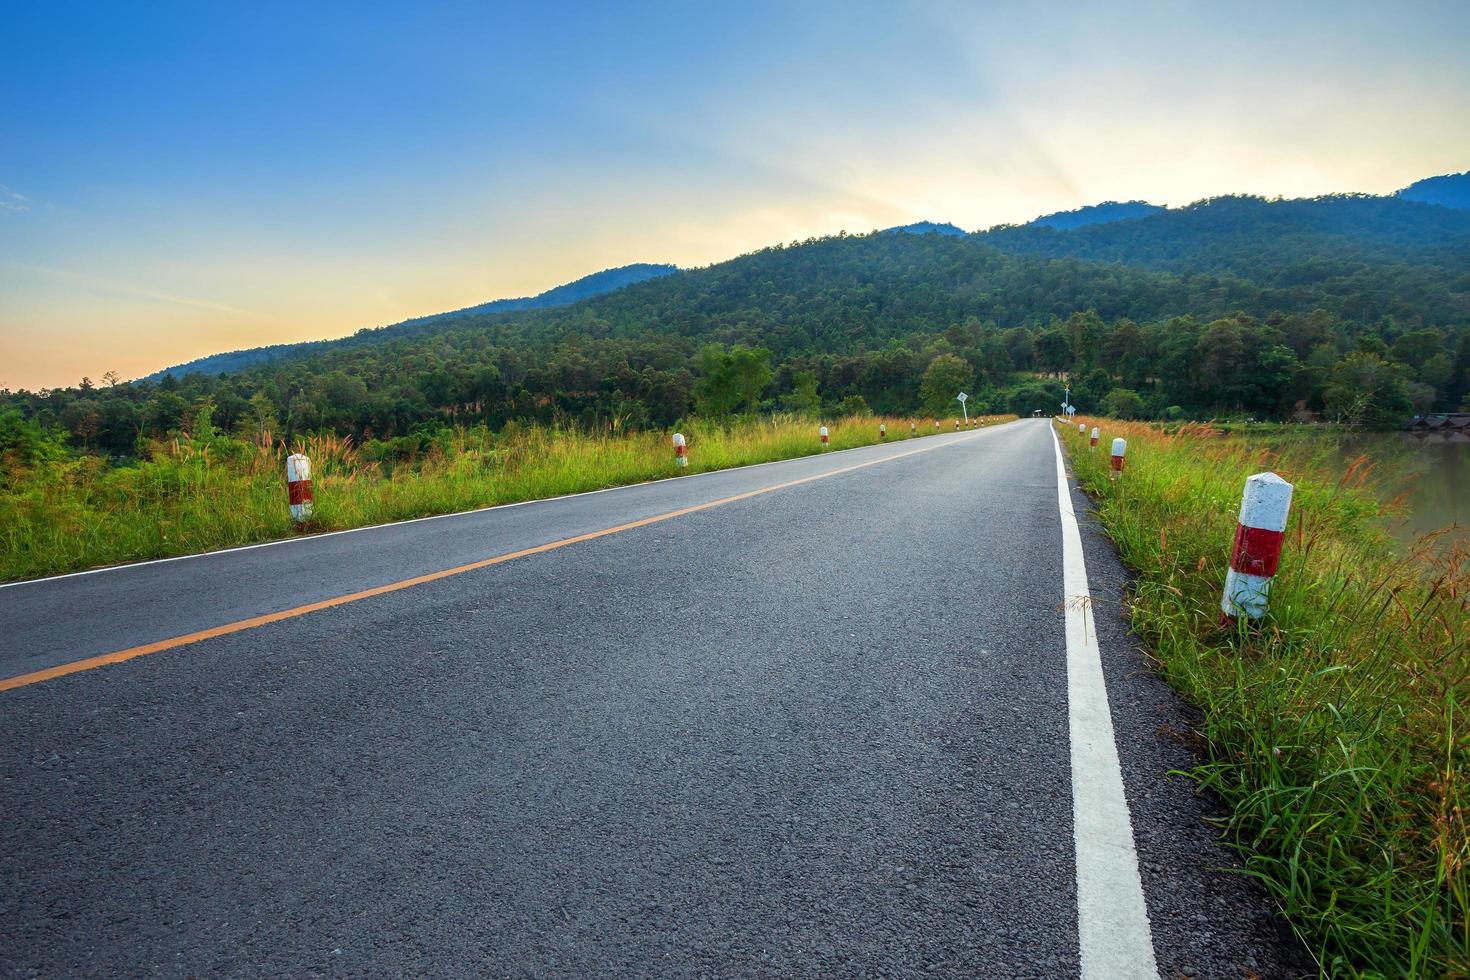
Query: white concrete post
<point>882,431</point>
<point>1257,550</point>
<point>1120,446</point>
<point>298,487</point>
<point>681,449</point>
<point>823,433</point>
<point>1093,441</point>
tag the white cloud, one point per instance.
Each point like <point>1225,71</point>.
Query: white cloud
<point>12,200</point>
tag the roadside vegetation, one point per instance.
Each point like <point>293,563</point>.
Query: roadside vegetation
<point>203,489</point>
<point>1337,729</point>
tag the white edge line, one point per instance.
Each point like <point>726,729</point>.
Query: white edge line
<point>463,513</point>
<point>1114,938</point>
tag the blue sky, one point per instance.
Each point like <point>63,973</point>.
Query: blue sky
<point>181,179</point>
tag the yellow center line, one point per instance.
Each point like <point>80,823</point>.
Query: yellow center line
<point>239,626</point>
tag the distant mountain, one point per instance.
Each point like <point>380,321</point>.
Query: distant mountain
<point>927,228</point>
<point>587,287</point>
<point>1098,214</point>
<point>1450,191</point>
<point>1288,243</point>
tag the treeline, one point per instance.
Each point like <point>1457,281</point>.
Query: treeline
<point>1178,367</point>
<point>894,324</point>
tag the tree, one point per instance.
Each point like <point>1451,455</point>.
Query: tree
<point>1271,387</point>
<point>1367,391</point>
<point>25,441</point>
<point>752,371</point>
<point>715,392</point>
<point>1089,392</point>
<point>260,418</point>
<point>1421,397</point>
<point>1021,347</point>
<point>995,361</point>
<point>1053,351</point>
<point>1122,403</point>
<point>1124,352</point>
<point>731,379</point>
<point>1414,349</point>
<point>946,376</point>
<point>83,418</point>
<point>1084,335</point>
<point>803,399</point>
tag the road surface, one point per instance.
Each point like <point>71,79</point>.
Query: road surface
<point>818,717</point>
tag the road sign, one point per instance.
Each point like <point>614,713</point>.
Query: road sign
<point>963,397</point>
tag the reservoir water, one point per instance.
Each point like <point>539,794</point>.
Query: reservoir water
<point>1431,471</point>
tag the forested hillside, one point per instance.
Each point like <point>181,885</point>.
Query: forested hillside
<point>1297,243</point>
<point>930,228</point>
<point>1356,308</point>
<point>1450,191</point>
<point>1097,214</point>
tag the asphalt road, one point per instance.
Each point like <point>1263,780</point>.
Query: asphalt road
<point>816,731</point>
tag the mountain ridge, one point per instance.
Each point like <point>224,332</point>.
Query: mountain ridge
<point>1448,190</point>
<point>588,286</point>
<point>1278,244</point>
<point>927,228</point>
<point>1096,214</point>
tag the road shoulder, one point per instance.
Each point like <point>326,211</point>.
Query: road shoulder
<point>1208,918</point>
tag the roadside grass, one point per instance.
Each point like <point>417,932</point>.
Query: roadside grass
<point>218,491</point>
<point>1338,728</point>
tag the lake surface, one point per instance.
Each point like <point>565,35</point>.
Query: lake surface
<point>1433,469</point>
<point>1425,475</point>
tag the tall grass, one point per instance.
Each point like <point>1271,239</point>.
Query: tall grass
<point>195,495</point>
<point>1338,728</point>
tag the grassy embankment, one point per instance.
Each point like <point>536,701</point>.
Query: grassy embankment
<point>1338,729</point>
<point>196,495</point>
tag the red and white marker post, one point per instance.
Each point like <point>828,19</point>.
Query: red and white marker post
<point>823,433</point>
<point>1093,440</point>
<point>913,428</point>
<point>1120,446</point>
<point>882,431</point>
<point>1257,550</point>
<point>298,487</point>
<point>1081,428</point>
<point>936,423</point>
<point>681,449</point>
<point>957,425</point>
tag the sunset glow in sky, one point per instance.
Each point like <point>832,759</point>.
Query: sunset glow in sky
<point>179,181</point>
